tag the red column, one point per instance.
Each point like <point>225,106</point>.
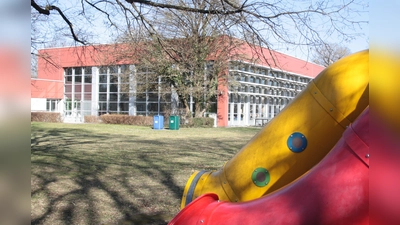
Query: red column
<point>222,102</point>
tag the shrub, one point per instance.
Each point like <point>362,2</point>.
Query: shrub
<point>203,122</point>
<point>92,119</point>
<point>127,120</point>
<point>50,117</point>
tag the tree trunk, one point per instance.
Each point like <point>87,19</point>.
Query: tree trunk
<point>188,113</point>
<point>199,112</point>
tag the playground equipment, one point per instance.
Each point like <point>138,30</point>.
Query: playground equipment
<point>294,141</point>
<point>385,133</point>
<point>335,191</point>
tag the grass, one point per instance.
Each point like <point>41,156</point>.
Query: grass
<point>117,174</point>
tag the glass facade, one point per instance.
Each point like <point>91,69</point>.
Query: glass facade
<point>254,92</point>
<point>52,105</point>
<point>260,92</point>
<point>77,92</point>
<point>114,90</point>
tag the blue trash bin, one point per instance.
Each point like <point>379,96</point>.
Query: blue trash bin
<point>158,122</point>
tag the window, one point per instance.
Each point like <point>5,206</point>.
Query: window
<point>125,69</point>
<point>78,78</point>
<point>78,74</point>
<point>124,96</point>
<point>68,71</point>
<point>113,79</point>
<point>113,69</point>
<point>68,78</point>
<point>103,70</point>
<point>88,78</point>
<point>88,70</point>
<point>113,96</point>
<point>52,105</point>
<point>102,87</point>
<point>113,87</point>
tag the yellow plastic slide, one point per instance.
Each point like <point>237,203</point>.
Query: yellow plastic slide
<point>295,140</point>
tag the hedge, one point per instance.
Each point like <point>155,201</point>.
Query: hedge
<point>203,122</point>
<point>92,119</point>
<point>50,117</point>
<point>127,120</point>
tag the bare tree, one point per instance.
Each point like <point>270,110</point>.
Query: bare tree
<point>180,35</point>
<point>273,24</point>
<point>326,54</point>
<point>189,51</point>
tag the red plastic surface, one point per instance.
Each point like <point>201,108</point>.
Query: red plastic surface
<point>384,173</point>
<point>335,191</point>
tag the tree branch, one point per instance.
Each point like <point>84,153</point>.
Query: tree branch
<point>46,11</point>
<point>185,8</point>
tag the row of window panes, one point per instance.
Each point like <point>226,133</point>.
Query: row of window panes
<point>76,105</point>
<point>252,99</point>
<point>78,88</point>
<point>78,96</point>
<point>247,68</point>
<point>78,70</point>
<point>103,70</point>
<point>126,87</point>
<point>113,79</point>
<point>113,107</point>
<point>265,91</point>
<point>52,105</point>
<point>262,71</point>
<point>114,97</point>
<point>125,97</point>
<point>78,78</point>
<point>251,88</point>
<point>152,107</point>
<point>114,69</point>
<point>103,87</point>
<point>263,81</point>
<point>114,88</point>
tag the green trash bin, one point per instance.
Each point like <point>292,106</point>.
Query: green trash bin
<point>174,122</point>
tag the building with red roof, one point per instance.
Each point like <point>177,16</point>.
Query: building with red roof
<point>79,81</point>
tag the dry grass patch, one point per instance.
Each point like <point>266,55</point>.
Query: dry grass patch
<point>120,174</point>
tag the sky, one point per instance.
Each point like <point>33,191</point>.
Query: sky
<point>15,23</point>
<point>102,32</point>
<point>385,23</point>
<point>383,19</point>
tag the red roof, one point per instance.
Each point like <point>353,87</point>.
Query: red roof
<point>277,60</point>
<point>115,54</point>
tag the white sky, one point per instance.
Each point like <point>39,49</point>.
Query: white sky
<point>385,23</point>
<point>15,23</point>
<point>103,36</point>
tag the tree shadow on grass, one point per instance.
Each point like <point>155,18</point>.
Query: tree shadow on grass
<point>81,177</point>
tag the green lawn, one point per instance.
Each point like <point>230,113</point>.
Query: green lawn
<point>117,174</point>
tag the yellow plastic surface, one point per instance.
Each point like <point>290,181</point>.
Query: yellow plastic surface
<point>385,77</point>
<point>321,113</point>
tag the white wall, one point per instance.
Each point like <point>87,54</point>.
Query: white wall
<point>38,104</point>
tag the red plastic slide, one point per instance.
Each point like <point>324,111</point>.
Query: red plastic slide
<point>335,191</point>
